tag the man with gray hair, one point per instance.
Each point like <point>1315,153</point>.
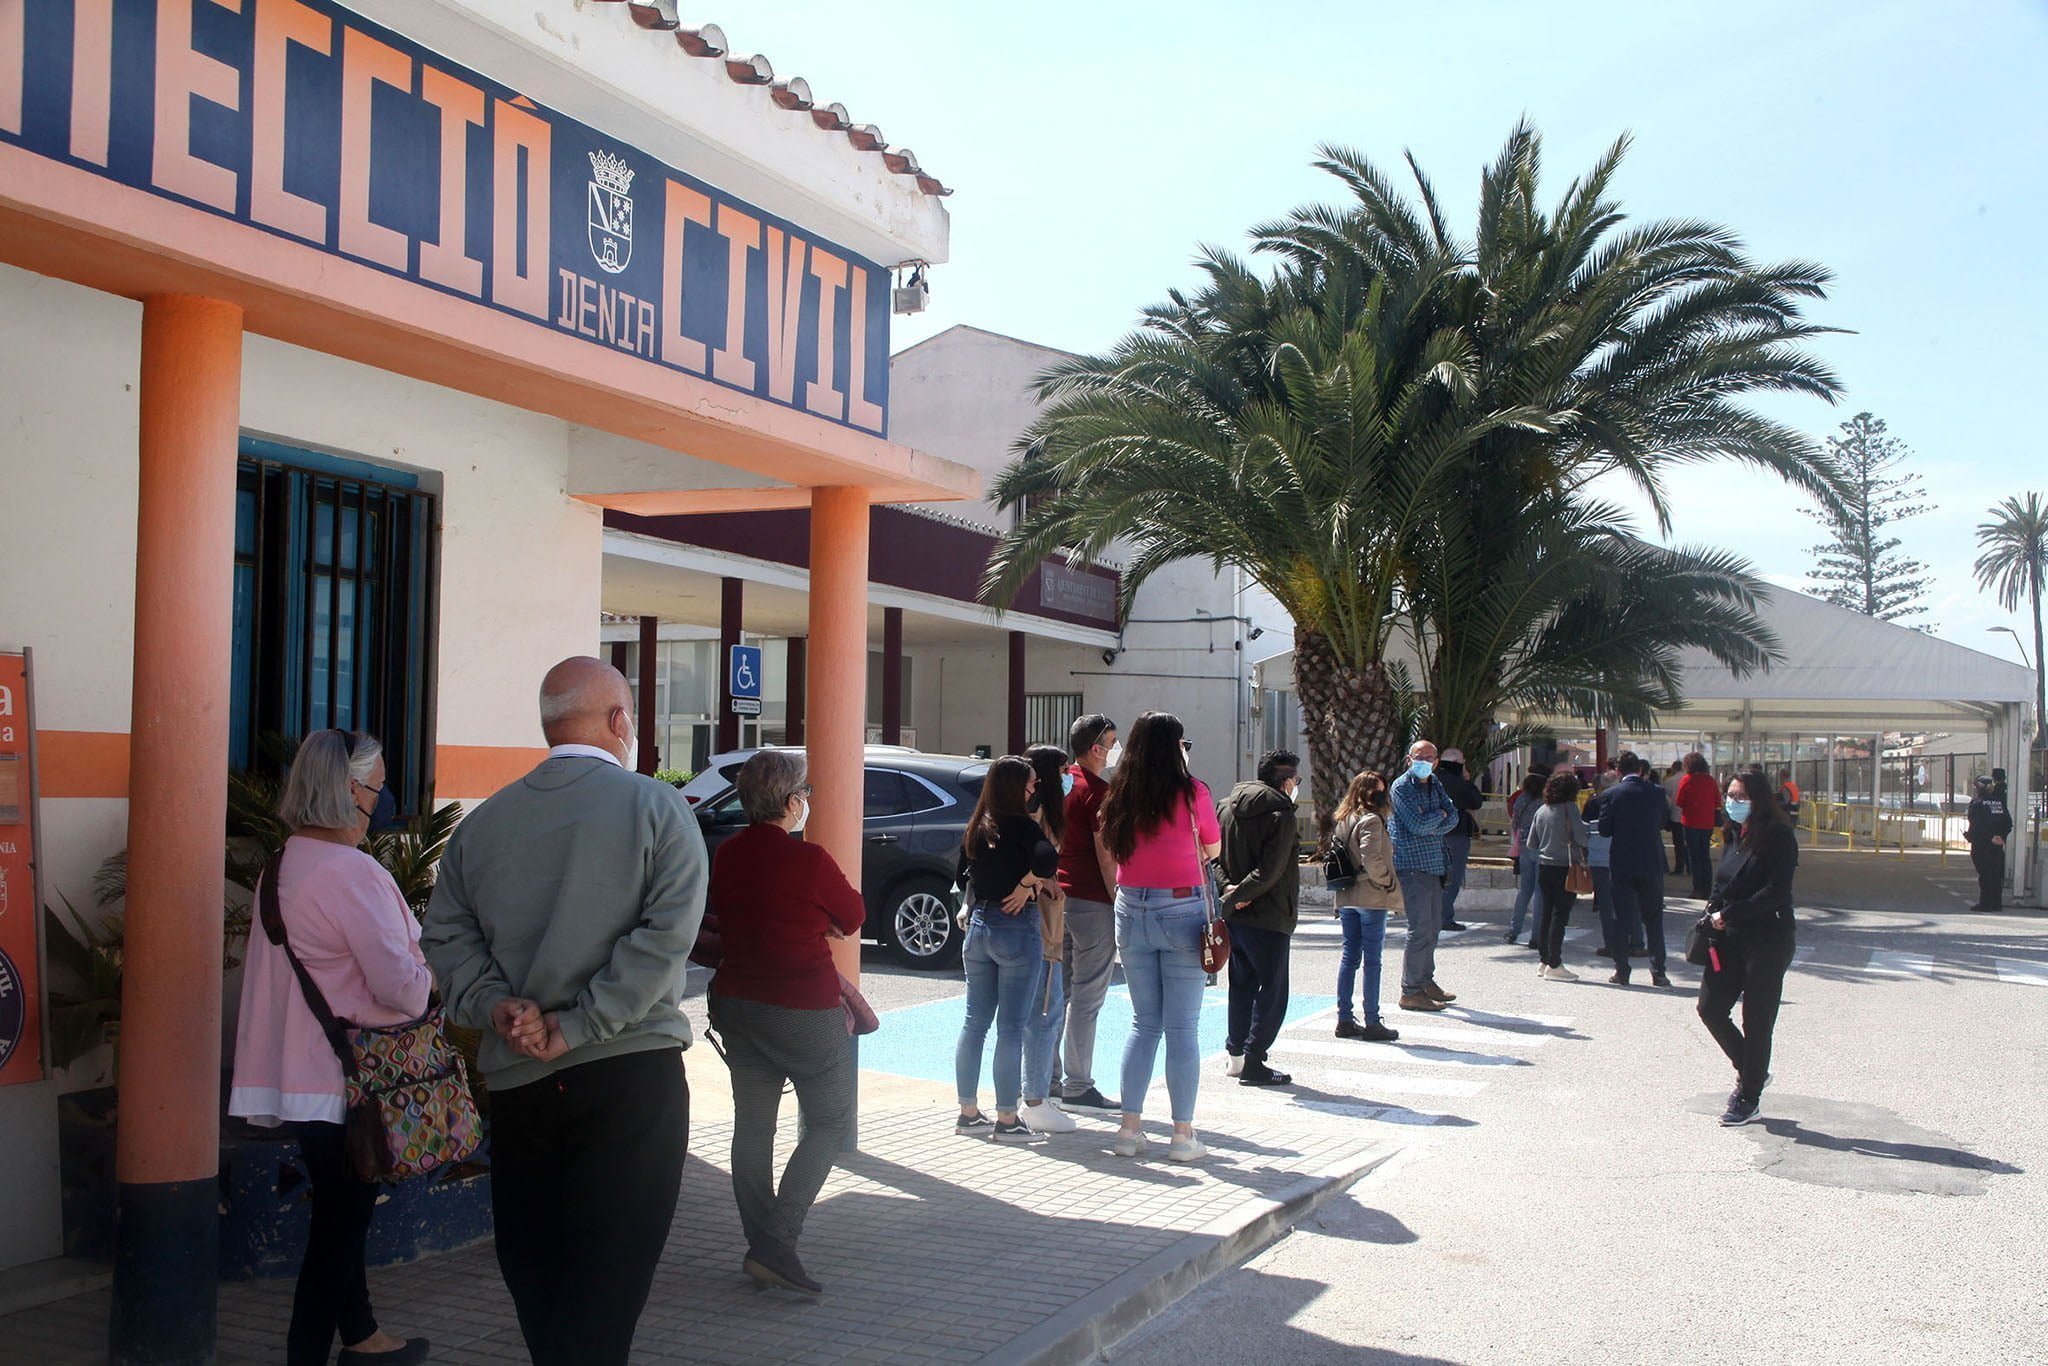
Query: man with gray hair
<point>561,926</point>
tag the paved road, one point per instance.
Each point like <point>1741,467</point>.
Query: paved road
<point>1564,1191</point>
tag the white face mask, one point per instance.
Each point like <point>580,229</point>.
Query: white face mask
<point>1115,755</point>
<point>803,816</point>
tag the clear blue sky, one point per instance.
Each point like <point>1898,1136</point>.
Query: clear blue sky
<point>1904,145</point>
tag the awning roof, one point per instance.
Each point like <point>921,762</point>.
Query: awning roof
<point>1842,672</point>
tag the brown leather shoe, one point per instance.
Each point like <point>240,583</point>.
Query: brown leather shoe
<point>1437,993</point>
<point>1417,1000</point>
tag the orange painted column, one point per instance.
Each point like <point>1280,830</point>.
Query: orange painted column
<point>835,727</point>
<point>168,1142</point>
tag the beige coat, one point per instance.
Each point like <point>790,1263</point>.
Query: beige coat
<point>1372,850</point>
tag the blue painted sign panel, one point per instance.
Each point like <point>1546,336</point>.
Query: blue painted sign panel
<point>743,680</point>
<point>307,121</point>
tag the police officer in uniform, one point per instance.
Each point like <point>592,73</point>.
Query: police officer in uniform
<point>1989,824</point>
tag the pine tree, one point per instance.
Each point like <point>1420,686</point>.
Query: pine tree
<point>1861,567</point>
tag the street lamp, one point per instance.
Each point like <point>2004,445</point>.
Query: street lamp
<point>1994,630</point>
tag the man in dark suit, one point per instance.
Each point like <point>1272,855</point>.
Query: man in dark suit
<point>1633,815</point>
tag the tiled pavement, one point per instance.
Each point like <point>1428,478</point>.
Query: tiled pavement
<point>933,1248</point>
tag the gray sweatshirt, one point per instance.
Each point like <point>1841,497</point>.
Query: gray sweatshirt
<point>581,887</point>
<point>1558,834</point>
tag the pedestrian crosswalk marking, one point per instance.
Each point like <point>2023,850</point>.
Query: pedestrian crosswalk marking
<point>1493,1038</point>
<point>1426,1055</point>
<point>1892,963</point>
<point>2022,972</point>
<point>1367,1084</point>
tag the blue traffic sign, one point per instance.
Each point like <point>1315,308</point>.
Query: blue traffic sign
<point>743,679</point>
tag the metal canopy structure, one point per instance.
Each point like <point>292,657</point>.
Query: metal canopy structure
<point>1842,674</point>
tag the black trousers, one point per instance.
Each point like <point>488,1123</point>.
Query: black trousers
<point>586,1165</point>
<point>1258,990</point>
<point>1989,860</point>
<point>1677,847</point>
<point>1639,898</point>
<point>1753,970</point>
<point>1557,912</point>
<point>334,1292</point>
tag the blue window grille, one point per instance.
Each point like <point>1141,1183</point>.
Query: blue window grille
<point>333,606</point>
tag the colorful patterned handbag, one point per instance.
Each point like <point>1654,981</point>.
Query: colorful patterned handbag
<point>410,1110</point>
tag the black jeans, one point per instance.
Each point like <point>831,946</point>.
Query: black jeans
<point>1677,847</point>
<point>586,1165</point>
<point>1557,912</point>
<point>1258,990</point>
<point>1639,899</point>
<point>1699,858</point>
<point>1989,860</point>
<point>1753,969</point>
<point>333,1293</point>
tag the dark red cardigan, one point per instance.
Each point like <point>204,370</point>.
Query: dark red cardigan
<point>775,899</point>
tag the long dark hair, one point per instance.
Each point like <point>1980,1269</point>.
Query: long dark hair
<point>1766,813</point>
<point>1143,790</point>
<point>1002,794</point>
<point>1049,762</point>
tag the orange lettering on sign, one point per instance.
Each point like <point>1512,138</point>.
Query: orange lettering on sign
<point>92,78</point>
<point>13,56</point>
<point>181,73</point>
<point>21,1044</point>
<point>685,205</point>
<point>278,24</point>
<point>445,261</point>
<point>859,411</point>
<point>785,308</point>
<point>519,261</point>
<point>365,61</point>
<point>821,395</point>
<point>742,234</point>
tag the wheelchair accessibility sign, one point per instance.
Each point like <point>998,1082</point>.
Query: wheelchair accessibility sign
<point>743,680</point>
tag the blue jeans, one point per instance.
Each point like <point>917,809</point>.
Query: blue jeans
<point>1042,1024</point>
<point>1364,934</point>
<point>1159,936</point>
<point>1003,956</point>
<point>1525,895</point>
<point>1457,853</point>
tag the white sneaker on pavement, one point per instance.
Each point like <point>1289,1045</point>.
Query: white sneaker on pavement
<point>1561,973</point>
<point>1127,1144</point>
<point>1189,1149</point>
<point>1044,1118</point>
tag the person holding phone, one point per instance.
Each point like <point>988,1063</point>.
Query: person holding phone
<point>1750,916</point>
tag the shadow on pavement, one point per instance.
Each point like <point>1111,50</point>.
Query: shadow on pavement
<point>1248,1316</point>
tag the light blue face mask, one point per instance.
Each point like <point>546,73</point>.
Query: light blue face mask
<point>1067,783</point>
<point>1738,811</point>
<point>1422,768</point>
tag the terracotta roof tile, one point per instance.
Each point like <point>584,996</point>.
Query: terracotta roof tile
<point>708,41</point>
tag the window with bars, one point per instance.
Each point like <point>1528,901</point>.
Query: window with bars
<point>332,608</point>
<point>1050,716</point>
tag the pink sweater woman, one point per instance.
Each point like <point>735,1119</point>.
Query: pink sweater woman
<point>344,918</point>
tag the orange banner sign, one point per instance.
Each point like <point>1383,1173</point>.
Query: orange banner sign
<point>21,1035</point>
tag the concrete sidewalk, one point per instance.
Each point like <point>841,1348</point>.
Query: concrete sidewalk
<point>932,1248</point>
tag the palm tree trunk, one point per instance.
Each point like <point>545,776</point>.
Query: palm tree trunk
<point>1350,715</point>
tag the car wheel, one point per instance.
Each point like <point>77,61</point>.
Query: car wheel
<point>922,930</point>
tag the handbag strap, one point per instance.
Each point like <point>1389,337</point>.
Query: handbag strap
<point>272,917</point>
<point>1202,878</point>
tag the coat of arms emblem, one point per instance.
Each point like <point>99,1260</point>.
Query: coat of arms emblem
<point>611,211</point>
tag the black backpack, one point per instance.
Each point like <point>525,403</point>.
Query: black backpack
<point>1340,870</point>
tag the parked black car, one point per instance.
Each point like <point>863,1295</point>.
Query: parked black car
<point>915,814</point>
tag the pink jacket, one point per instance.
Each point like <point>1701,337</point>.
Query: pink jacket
<point>348,924</point>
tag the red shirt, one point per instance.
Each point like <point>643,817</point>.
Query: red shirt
<point>775,898</point>
<point>1699,801</point>
<point>1080,871</point>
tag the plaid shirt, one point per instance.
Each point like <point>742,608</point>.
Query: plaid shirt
<point>1419,816</point>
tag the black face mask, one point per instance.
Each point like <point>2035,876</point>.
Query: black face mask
<point>383,812</point>
<point>1037,801</point>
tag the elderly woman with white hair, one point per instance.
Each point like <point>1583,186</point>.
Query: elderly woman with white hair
<point>347,922</point>
<point>776,998</point>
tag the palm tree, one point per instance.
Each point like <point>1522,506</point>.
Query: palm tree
<point>2012,563</point>
<point>1392,410</point>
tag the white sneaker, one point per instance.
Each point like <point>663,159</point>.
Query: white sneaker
<point>1561,973</point>
<point>1043,1118</point>
<point>1127,1145</point>
<point>1233,1064</point>
<point>1189,1149</point>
